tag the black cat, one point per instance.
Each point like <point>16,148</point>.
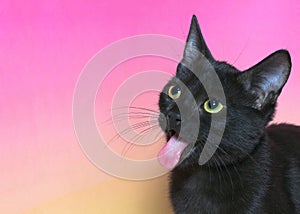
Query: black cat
<point>255,168</point>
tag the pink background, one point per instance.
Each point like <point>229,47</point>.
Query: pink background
<point>43,48</point>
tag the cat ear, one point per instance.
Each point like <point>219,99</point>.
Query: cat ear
<point>195,44</point>
<point>266,79</point>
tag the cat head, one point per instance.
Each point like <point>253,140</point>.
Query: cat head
<point>240,111</point>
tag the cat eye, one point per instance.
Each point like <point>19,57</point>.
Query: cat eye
<point>213,106</point>
<point>174,92</point>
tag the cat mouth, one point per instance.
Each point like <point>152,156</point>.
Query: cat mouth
<point>170,134</point>
<point>170,155</point>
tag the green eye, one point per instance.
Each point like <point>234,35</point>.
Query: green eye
<point>174,92</point>
<point>213,106</point>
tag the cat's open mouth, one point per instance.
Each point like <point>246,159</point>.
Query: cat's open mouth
<point>169,156</point>
<point>170,134</point>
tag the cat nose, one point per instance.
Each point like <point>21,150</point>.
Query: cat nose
<point>173,120</point>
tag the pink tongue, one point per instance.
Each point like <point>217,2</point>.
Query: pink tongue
<point>170,154</point>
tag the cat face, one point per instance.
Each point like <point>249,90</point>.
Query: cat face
<point>191,108</point>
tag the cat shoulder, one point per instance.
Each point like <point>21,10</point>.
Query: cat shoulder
<point>286,137</point>
<point>284,128</point>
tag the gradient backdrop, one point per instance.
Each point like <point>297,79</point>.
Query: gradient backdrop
<point>43,47</point>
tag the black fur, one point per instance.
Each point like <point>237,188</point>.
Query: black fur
<point>255,169</point>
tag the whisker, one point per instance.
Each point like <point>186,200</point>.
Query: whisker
<point>143,132</point>
<point>133,114</point>
<point>240,53</point>
<point>218,172</point>
<point>129,117</point>
<point>224,165</point>
<point>137,138</point>
<point>246,153</point>
<point>136,107</point>
<point>232,164</point>
<point>135,126</point>
<point>136,116</point>
<point>137,113</point>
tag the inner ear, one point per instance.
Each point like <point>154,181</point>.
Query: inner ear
<point>195,45</point>
<point>265,80</point>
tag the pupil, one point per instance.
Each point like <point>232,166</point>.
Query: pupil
<point>213,104</point>
<point>175,90</point>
